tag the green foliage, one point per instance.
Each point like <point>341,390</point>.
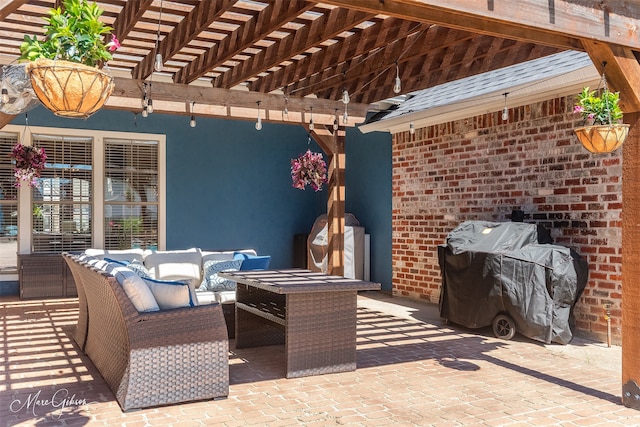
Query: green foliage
<point>74,34</point>
<point>602,110</point>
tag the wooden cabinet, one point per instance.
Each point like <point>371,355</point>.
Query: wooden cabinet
<point>45,276</point>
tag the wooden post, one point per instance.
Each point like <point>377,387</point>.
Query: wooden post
<point>631,264</point>
<point>335,207</point>
<point>333,144</point>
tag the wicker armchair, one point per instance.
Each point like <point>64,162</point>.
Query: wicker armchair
<point>151,359</point>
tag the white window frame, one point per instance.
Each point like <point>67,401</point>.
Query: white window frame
<point>25,201</point>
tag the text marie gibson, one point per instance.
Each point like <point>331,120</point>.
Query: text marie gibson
<point>60,400</point>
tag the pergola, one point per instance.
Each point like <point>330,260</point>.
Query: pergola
<point>293,60</point>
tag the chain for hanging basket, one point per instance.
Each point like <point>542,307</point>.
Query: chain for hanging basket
<point>70,89</point>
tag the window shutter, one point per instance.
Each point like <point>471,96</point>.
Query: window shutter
<point>8,206</point>
<point>62,199</point>
<point>131,194</point>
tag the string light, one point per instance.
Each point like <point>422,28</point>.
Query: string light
<point>145,100</point>
<point>5,95</point>
<point>158,63</point>
<point>505,110</point>
<point>412,128</point>
<point>335,121</point>
<point>397,86</point>
<point>345,97</point>
<point>145,113</point>
<point>192,122</point>
<point>286,105</point>
<point>150,106</point>
<point>311,125</point>
<point>259,122</point>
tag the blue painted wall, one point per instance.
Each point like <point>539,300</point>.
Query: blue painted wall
<point>368,195</point>
<point>229,186</point>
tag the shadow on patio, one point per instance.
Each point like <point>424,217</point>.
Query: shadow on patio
<point>410,372</point>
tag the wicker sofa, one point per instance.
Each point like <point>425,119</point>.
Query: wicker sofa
<point>188,264</point>
<point>150,358</point>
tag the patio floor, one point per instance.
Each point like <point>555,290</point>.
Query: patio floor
<point>412,370</point>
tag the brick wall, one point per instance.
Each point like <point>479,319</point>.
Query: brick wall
<point>483,168</point>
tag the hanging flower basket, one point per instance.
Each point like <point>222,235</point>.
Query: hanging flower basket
<point>603,138</point>
<point>69,89</point>
<point>30,161</point>
<point>309,169</point>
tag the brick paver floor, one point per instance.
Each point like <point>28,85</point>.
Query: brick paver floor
<point>412,371</point>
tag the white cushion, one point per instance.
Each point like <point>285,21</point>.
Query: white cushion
<point>136,289</point>
<point>225,296</point>
<point>170,294</point>
<point>117,255</point>
<point>205,297</point>
<point>176,265</point>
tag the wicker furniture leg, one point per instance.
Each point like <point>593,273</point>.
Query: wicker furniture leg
<point>82,325</point>
<point>321,333</point>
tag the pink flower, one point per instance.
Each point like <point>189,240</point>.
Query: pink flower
<point>114,44</point>
<point>578,109</point>
<point>29,163</point>
<point>309,169</point>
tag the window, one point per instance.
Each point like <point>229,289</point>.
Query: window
<point>62,199</point>
<point>8,206</point>
<point>131,194</point>
<point>99,189</point>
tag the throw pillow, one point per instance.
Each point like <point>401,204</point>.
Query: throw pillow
<point>170,294</point>
<point>213,282</point>
<point>139,268</point>
<point>175,265</point>
<point>137,290</point>
<point>251,262</point>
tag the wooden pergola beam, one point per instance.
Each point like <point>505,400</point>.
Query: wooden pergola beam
<point>228,103</point>
<point>558,23</point>
<point>622,71</point>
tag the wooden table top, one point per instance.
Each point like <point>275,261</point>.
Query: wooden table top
<point>297,281</point>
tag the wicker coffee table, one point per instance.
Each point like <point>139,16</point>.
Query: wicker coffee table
<point>312,314</point>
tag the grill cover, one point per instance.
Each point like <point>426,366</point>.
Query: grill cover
<point>490,268</point>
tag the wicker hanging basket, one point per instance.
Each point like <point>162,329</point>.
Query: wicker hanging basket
<point>602,139</point>
<point>69,89</point>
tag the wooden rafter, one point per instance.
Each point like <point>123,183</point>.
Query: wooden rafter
<point>9,6</point>
<point>197,21</point>
<point>128,17</point>
<point>272,17</point>
<point>359,44</point>
<point>321,29</point>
